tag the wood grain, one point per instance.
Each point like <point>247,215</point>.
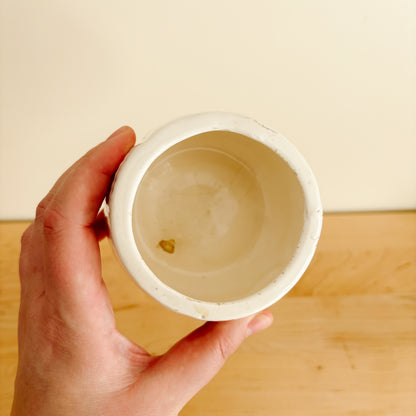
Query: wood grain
<point>343,342</point>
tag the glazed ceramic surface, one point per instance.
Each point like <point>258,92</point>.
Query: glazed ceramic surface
<point>215,215</point>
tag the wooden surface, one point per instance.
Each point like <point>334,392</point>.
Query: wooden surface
<point>343,342</point>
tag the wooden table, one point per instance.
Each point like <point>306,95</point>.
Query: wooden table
<point>343,342</point>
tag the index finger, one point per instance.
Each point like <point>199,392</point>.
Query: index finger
<point>71,251</point>
<point>77,196</point>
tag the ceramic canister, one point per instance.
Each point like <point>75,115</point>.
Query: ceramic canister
<point>215,215</point>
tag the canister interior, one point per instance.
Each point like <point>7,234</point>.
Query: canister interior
<point>218,216</point>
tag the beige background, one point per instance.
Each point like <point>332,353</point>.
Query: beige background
<point>338,78</point>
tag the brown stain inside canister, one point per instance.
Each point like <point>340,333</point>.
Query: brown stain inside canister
<point>167,245</point>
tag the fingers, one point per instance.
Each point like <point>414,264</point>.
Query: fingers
<point>69,223</point>
<point>78,194</point>
<point>196,359</point>
<point>100,226</point>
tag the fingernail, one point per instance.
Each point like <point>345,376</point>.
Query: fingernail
<point>259,322</point>
<point>118,132</point>
<point>128,144</point>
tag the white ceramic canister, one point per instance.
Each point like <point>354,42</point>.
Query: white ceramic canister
<point>215,215</point>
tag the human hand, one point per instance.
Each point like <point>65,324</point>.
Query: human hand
<point>72,359</point>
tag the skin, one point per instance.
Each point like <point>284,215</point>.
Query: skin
<point>72,359</point>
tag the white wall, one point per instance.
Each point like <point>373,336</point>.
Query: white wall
<point>338,78</point>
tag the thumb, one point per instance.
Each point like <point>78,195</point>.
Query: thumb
<point>196,359</point>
